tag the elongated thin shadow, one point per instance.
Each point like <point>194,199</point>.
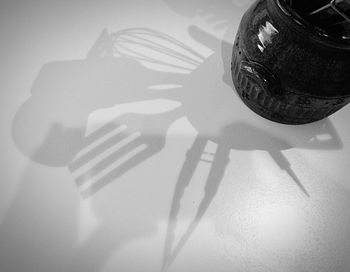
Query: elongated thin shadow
<point>184,179</point>
<point>217,170</point>
<point>285,165</point>
<point>216,13</point>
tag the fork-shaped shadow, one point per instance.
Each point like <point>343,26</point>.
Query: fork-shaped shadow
<point>224,120</point>
<point>132,137</point>
<point>65,93</point>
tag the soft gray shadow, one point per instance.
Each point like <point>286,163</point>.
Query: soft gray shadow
<point>217,13</point>
<point>214,118</point>
<point>152,129</point>
<point>50,127</point>
<point>39,230</point>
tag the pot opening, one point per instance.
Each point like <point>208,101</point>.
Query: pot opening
<point>332,16</point>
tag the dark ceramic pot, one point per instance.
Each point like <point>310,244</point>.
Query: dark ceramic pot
<point>286,69</point>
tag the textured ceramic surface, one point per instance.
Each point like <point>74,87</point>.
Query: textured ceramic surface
<point>286,70</point>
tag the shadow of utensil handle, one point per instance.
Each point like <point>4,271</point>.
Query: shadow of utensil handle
<point>285,165</point>
<point>205,38</point>
<point>263,77</point>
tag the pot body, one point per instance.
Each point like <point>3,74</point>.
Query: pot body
<point>287,70</point>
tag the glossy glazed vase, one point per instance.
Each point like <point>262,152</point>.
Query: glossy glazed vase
<point>286,69</point>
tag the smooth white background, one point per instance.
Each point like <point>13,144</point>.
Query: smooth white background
<point>57,88</point>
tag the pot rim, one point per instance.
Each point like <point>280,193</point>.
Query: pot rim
<point>302,25</point>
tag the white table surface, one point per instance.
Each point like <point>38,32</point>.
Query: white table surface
<point>125,148</point>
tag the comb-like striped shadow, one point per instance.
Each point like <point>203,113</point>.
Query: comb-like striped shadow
<point>126,142</point>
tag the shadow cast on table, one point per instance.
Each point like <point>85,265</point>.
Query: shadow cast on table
<point>218,14</point>
<point>50,128</point>
<point>214,118</point>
